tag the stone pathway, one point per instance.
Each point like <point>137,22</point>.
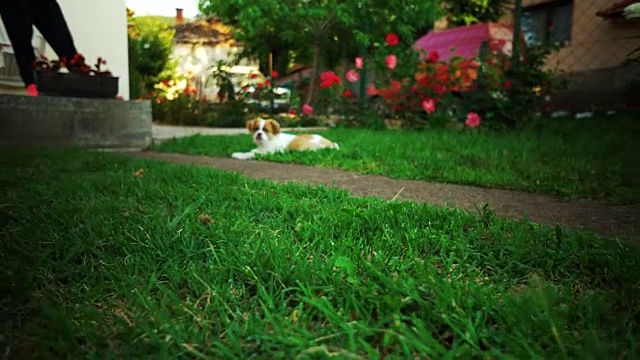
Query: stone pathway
<point>603,218</point>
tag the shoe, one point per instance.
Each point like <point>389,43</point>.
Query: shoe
<point>32,90</point>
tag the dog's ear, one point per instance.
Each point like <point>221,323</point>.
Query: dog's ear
<point>273,126</point>
<point>253,125</point>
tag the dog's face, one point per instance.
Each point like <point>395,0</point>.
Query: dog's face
<point>263,130</point>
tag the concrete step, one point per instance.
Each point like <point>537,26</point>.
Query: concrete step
<point>60,121</point>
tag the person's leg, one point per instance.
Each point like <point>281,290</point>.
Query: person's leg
<point>49,20</point>
<point>16,16</point>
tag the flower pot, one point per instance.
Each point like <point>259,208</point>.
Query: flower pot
<point>76,85</point>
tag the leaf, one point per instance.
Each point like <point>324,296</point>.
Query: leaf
<point>139,173</point>
<point>295,315</point>
<point>346,264</point>
<point>388,339</point>
<point>353,280</point>
<point>205,219</point>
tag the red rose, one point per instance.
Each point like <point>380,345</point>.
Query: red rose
<point>433,56</point>
<point>328,79</point>
<point>392,39</point>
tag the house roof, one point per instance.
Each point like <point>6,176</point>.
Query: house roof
<point>615,10</point>
<point>208,31</point>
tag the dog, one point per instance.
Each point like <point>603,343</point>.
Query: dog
<point>267,136</point>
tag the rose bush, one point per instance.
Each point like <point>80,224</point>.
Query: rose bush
<point>405,83</point>
<point>337,96</point>
<point>422,90</point>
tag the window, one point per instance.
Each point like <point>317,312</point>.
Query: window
<point>548,23</point>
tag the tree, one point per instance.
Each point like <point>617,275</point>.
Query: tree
<point>308,29</point>
<point>150,49</point>
<point>476,11</point>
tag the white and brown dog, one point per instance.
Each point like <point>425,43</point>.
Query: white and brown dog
<point>267,136</point>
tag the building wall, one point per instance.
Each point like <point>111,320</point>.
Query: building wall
<point>592,60</point>
<point>99,29</point>
<point>198,59</point>
<point>595,43</point>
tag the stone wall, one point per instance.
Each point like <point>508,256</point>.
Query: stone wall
<point>89,123</point>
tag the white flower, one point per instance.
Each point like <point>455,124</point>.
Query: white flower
<point>497,95</point>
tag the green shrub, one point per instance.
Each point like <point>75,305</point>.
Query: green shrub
<point>150,50</point>
<point>184,109</point>
<point>520,95</point>
<point>228,114</point>
<point>188,109</point>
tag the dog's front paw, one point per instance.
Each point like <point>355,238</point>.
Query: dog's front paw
<point>242,156</point>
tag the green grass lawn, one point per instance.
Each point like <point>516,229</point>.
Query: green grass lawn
<point>103,260</point>
<point>589,158</point>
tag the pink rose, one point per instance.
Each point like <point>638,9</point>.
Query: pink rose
<point>391,61</point>
<point>429,105</point>
<point>352,76</point>
<point>359,62</point>
<point>307,109</point>
<point>371,90</point>
<point>473,120</point>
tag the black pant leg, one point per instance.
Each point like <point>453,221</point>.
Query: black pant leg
<point>49,20</point>
<point>16,16</point>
